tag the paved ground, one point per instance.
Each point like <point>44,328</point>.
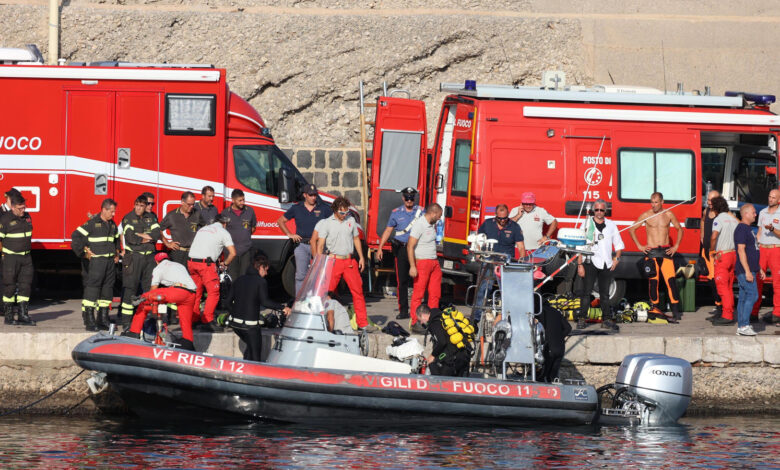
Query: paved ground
<point>60,315</point>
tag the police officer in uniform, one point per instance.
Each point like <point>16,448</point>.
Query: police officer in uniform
<point>398,226</point>
<point>98,241</point>
<point>183,223</point>
<point>140,231</point>
<point>15,240</point>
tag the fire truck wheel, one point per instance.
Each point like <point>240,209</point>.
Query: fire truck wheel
<point>288,276</point>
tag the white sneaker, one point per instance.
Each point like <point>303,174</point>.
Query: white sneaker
<point>746,331</point>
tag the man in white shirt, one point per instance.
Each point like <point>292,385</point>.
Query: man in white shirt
<point>605,237</point>
<point>423,263</point>
<point>532,220</point>
<point>769,249</point>
<point>207,246</point>
<point>171,284</point>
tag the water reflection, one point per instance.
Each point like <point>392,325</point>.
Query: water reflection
<point>45,442</point>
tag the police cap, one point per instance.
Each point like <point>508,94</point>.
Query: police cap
<point>409,191</point>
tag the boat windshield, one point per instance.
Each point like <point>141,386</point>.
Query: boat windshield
<point>311,297</point>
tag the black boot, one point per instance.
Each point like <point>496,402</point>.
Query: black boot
<point>102,319</point>
<point>88,315</point>
<point>125,321</point>
<point>186,344</point>
<point>8,310</point>
<point>23,317</point>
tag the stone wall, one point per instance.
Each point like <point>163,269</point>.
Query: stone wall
<point>335,171</point>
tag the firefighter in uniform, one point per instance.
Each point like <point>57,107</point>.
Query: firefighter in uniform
<point>398,226</point>
<point>5,207</point>
<point>172,283</point>
<point>183,223</point>
<point>140,231</point>
<point>241,224</point>
<point>205,208</point>
<point>15,240</point>
<point>98,241</point>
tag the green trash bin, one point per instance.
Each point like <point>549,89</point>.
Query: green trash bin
<point>687,290</point>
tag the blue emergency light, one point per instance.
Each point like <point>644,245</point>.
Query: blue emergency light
<point>755,98</point>
<point>470,85</point>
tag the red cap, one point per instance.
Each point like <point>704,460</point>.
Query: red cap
<point>528,198</point>
<point>160,256</point>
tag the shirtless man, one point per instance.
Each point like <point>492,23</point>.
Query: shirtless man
<point>658,254</point>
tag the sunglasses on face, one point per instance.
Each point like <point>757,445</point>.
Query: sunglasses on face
<point>343,212</point>
<point>502,219</point>
<point>599,210</point>
<point>150,203</point>
<point>408,198</point>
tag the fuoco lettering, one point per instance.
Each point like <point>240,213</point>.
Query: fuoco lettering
<point>20,143</point>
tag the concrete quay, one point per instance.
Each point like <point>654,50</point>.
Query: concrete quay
<point>731,373</point>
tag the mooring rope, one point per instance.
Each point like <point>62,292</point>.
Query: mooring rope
<point>22,408</point>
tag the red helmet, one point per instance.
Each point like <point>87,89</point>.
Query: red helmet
<point>160,256</point>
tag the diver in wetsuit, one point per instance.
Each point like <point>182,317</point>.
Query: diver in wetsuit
<point>448,358</point>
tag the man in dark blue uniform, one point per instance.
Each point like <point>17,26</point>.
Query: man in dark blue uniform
<point>508,235</point>
<point>306,214</point>
<point>398,226</point>
<point>506,231</point>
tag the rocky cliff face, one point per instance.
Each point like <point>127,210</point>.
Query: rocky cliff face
<point>301,67</point>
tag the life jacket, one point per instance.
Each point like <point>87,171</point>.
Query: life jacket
<point>459,329</point>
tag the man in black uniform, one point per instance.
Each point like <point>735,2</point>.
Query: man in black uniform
<point>398,226</point>
<point>183,224</point>
<point>446,358</point>
<point>241,225</point>
<point>205,208</point>
<point>15,240</point>
<point>98,241</point>
<point>140,231</point>
<point>246,299</point>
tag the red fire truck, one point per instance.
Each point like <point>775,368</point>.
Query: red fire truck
<point>71,136</point>
<point>621,144</point>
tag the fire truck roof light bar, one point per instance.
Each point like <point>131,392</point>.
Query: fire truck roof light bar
<point>537,94</point>
<point>603,114</point>
<point>85,73</point>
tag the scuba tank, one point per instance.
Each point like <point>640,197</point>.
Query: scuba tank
<point>460,331</point>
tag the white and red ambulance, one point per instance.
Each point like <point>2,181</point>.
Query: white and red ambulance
<point>71,136</point>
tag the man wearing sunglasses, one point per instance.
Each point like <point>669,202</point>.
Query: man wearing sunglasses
<point>532,220</point>
<point>607,246</point>
<point>506,231</point>
<point>340,235</point>
<point>398,226</point>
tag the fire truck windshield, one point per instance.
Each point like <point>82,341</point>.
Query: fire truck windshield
<point>258,166</point>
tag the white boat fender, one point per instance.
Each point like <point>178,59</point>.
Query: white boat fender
<point>409,349</point>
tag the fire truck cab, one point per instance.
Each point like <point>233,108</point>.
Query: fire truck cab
<point>71,136</point>
<point>573,145</point>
